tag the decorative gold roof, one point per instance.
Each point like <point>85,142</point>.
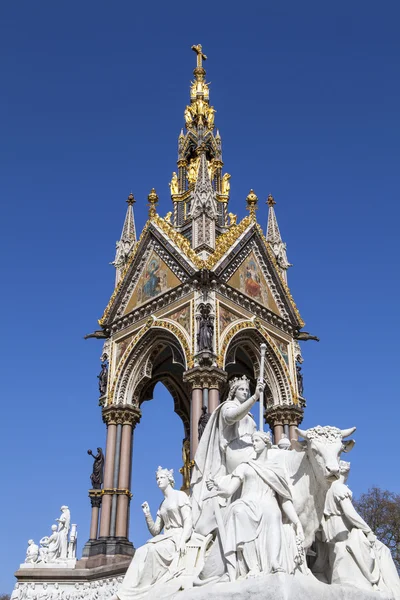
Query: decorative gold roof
<point>223,243</point>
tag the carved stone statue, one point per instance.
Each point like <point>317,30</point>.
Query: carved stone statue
<point>357,557</point>
<point>205,334</point>
<point>284,443</point>
<point>103,377</point>
<point>225,184</point>
<point>32,552</point>
<point>153,562</point>
<point>304,336</point>
<point>204,418</point>
<point>98,465</point>
<point>255,541</point>
<point>63,530</point>
<point>300,383</point>
<point>73,540</point>
<point>50,549</point>
<point>173,185</point>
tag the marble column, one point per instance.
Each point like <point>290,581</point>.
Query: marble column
<point>105,518</point>
<point>292,433</point>
<point>195,414</point>
<point>213,399</point>
<point>278,431</point>
<point>117,459</point>
<point>94,523</point>
<point>284,417</point>
<point>124,481</point>
<point>205,382</point>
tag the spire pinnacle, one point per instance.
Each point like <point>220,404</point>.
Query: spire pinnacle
<point>127,240</point>
<point>270,200</point>
<point>274,237</point>
<point>131,200</point>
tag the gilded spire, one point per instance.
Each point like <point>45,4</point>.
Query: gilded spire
<point>127,241</point>
<point>274,237</point>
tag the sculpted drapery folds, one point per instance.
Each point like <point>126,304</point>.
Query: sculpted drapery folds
<point>153,562</point>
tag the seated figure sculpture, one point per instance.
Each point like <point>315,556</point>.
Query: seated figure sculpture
<point>153,562</point>
<point>356,557</point>
<point>255,540</point>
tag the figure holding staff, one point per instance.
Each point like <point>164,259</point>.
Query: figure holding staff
<point>263,349</point>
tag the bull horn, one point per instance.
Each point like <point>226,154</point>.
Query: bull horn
<point>302,432</point>
<point>346,432</point>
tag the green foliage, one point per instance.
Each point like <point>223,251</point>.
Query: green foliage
<point>381,510</point>
<point>4,596</point>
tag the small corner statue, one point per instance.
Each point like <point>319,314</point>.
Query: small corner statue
<point>98,465</point>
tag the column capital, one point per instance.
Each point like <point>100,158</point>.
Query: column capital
<point>205,377</point>
<point>95,498</point>
<point>284,415</point>
<point>122,415</point>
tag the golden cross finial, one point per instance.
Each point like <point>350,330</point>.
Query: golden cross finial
<point>200,56</point>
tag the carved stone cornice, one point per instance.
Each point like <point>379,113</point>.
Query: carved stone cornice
<point>255,308</point>
<point>205,377</point>
<point>150,308</point>
<point>284,415</point>
<point>122,415</point>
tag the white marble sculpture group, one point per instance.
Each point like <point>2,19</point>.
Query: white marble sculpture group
<point>257,509</point>
<point>57,548</point>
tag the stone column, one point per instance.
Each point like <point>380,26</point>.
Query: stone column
<point>195,413</point>
<point>110,419</point>
<point>117,458</point>
<point>202,378</point>
<point>278,431</point>
<point>95,500</point>
<point>284,416</point>
<point>130,419</point>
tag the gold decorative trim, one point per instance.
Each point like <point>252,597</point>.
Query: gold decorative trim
<point>231,333</point>
<point>277,269</point>
<point>125,356</point>
<point>152,322</point>
<point>226,241</point>
<point>121,281</point>
<point>275,348</point>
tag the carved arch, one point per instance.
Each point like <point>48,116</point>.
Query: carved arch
<point>242,356</point>
<point>159,354</point>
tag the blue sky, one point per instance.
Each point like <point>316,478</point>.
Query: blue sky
<point>93,93</point>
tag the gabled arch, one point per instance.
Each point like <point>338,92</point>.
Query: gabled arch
<point>159,354</point>
<point>242,356</point>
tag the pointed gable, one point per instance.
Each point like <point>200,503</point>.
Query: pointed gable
<point>250,280</point>
<point>155,279</point>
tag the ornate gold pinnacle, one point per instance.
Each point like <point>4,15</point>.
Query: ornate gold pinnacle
<point>270,200</point>
<point>153,201</point>
<point>252,201</point>
<point>200,56</point>
<point>131,200</point>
